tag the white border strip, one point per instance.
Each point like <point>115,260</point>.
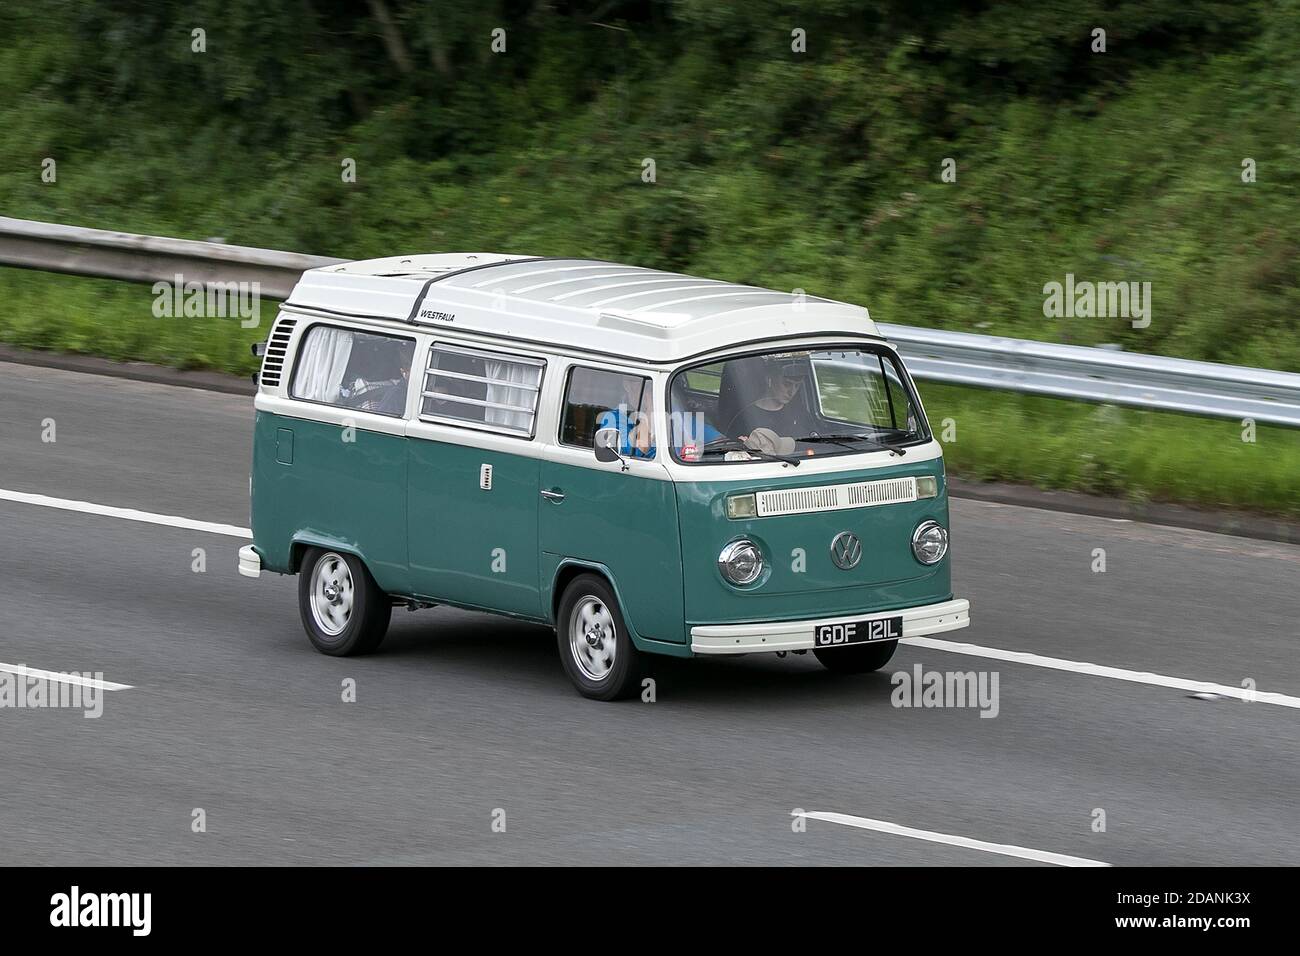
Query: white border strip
<point>1005,849</point>
<point>1101,670</point>
<point>79,679</point>
<point>130,514</point>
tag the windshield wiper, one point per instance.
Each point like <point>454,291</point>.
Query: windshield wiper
<point>843,438</point>
<point>739,445</point>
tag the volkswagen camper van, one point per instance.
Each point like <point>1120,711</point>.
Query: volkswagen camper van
<point>650,463</point>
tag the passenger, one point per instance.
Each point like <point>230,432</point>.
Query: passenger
<point>635,428</point>
<point>690,430</point>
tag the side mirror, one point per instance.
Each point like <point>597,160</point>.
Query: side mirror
<point>606,445</point>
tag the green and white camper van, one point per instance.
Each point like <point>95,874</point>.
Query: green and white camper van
<point>650,463</point>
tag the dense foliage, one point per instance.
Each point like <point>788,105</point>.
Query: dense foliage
<point>818,170</point>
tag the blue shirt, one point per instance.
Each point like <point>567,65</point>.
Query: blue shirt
<point>684,428</point>
<point>626,424</point>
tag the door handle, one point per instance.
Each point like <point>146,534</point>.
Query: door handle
<point>553,494</point>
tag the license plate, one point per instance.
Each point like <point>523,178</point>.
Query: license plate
<point>859,632</point>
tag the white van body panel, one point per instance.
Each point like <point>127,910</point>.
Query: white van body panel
<point>642,315</point>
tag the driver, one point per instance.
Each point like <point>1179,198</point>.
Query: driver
<point>776,409</point>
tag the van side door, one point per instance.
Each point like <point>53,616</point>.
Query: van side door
<point>473,474</point>
<point>600,515</point>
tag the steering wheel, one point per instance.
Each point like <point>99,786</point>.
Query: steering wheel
<point>736,417</point>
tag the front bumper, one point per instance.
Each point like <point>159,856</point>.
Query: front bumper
<point>250,562</point>
<point>798,635</point>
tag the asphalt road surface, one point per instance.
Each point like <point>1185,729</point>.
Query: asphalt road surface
<point>466,719</point>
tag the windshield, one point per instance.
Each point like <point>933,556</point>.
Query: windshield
<point>792,406</point>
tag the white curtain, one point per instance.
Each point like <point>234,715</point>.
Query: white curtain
<point>507,395</point>
<point>321,371</point>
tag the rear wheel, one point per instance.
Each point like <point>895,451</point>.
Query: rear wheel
<point>856,658</point>
<point>595,648</point>
<point>343,611</point>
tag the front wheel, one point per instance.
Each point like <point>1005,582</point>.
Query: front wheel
<point>595,648</point>
<point>343,611</point>
<point>856,658</point>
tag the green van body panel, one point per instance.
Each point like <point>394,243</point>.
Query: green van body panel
<point>553,566</point>
<point>887,577</point>
<point>413,511</point>
<point>345,494</point>
<point>468,545</point>
<point>626,524</point>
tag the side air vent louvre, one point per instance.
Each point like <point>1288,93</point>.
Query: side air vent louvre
<point>276,348</point>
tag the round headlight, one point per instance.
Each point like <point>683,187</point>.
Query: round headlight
<point>929,542</point>
<point>741,562</point>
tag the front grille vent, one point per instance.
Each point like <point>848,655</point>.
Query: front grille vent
<point>862,494</point>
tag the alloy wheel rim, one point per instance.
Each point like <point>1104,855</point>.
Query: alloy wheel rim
<point>593,638</point>
<point>332,594</point>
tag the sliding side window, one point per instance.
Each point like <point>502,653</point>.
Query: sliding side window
<point>484,390</point>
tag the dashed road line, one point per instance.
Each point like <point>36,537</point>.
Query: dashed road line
<point>62,678</point>
<point>930,836</point>
<point>1101,670</point>
<point>129,514</point>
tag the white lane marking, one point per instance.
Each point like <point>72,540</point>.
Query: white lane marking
<point>1005,849</point>
<point>83,681</point>
<point>1101,670</point>
<point>130,514</point>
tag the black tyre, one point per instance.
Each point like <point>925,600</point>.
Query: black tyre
<point>856,658</point>
<point>597,653</point>
<point>343,611</point>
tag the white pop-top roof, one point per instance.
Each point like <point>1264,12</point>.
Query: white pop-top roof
<point>624,311</point>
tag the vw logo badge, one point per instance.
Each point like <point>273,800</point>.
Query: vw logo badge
<point>846,550</point>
